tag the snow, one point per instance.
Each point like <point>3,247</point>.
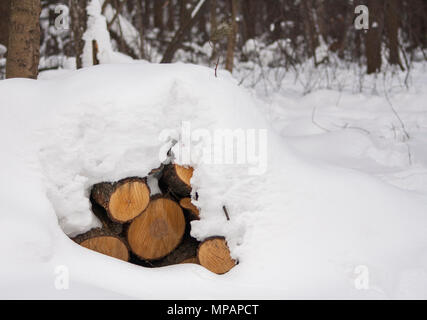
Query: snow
<point>335,192</point>
<point>97,30</point>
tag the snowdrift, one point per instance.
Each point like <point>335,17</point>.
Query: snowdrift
<point>300,228</point>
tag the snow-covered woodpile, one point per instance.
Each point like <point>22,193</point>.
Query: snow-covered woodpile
<point>153,230</point>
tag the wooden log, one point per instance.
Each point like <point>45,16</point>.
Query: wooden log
<point>193,211</point>
<point>214,255</point>
<point>193,260</point>
<point>104,242</point>
<point>186,252</point>
<point>158,231</point>
<point>107,224</point>
<point>123,200</point>
<point>177,178</point>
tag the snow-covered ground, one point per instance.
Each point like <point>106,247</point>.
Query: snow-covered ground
<point>336,206</point>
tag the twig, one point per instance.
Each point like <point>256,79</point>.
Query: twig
<point>226,213</point>
<point>315,123</point>
<point>402,124</point>
<point>118,10</point>
<point>216,67</point>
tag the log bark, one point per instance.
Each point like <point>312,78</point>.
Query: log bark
<point>186,252</point>
<point>24,39</point>
<point>176,180</point>
<point>107,224</point>
<point>191,209</point>
<point>123,200</point>
<point>158,231</point>
<point>214,255</point>
<point>104,242</point>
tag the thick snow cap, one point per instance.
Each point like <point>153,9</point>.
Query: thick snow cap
<point>298,229</point>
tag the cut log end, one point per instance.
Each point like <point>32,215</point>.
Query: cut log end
<point>158,231</point>
<point>214,255</point>
<point>190,207</point>
<point>177,179</point>
<point>184,173</point>
<point>129,200</point>
<point>103,242</point>
<point>123,200</point>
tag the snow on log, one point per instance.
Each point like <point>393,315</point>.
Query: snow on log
<point>123,200</point>
<point>214,255</point>
<point>177,179</point>
<point>193,211</point>
<point>158,231</point>
<point>104,242</point>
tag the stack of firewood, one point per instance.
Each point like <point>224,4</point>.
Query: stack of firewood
<point>152,230</point>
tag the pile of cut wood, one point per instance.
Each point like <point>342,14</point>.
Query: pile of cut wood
<point>152,230</point>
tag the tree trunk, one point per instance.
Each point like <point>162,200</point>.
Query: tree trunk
<point>156,233</point>
<point>183,12</point>
<point>158,15</point>
<point>179,35</point>
<point>123,200</point>
<point>24,39</point>
<point>147,12</point>
<point>78,16</point>
<point>232,37</point>
<point>249,19</point>
<point>392,24</point>
<point>171,16</point>
<point>141,28</point>
<point>306,13</point>
<point>214,26</point>
<point>202,26</point>
<point>373,37</point>
<point>4,22</point>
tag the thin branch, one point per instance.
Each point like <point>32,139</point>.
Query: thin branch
<point>226,213</point>
<point>314,121</point>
